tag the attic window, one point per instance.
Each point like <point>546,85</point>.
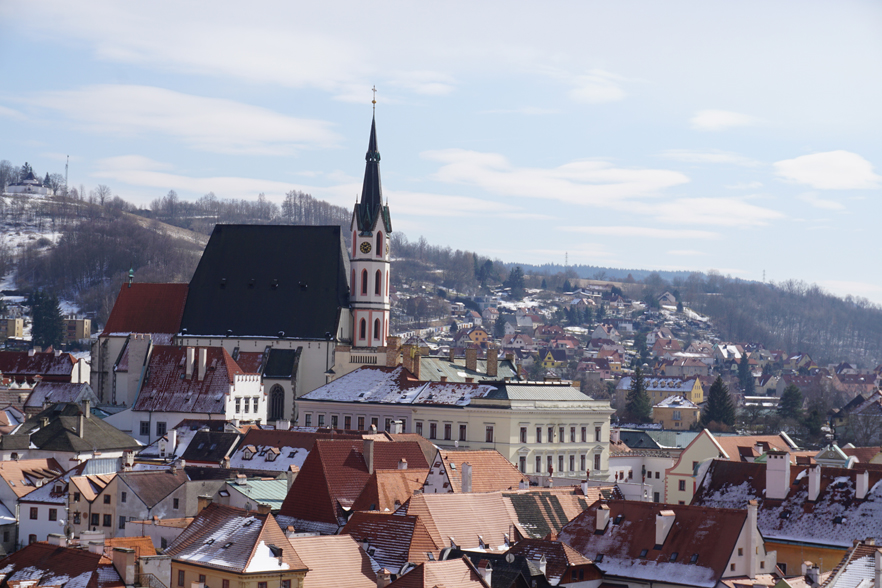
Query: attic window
<point>643,552</point>
<point>599,558</point>
<point>213,446</point>
<point>785,514</point>
<point>209,542</point>
<point>226,545</point>
<point>452,466</point>
<point>674,556</point>
<point>271,456</point>
<point>201,445</point>
<point>838,520</point>
<point>618,519</point>
<point>276,551</point>
<point>292,454</point>
<point>248,523</point>
<point>694,558</point>
<point>430,556</point>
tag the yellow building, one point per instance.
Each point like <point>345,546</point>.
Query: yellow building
<point>11,328</point>
<point>228,547</point>
<point>553,358</point>
<point>76,329</point>
<point>676,412</point>
<point>661,387</point>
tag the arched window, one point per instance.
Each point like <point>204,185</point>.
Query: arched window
<point>354,244</point>
<point>352,283</point>
<point>362,328</point>
<point>376,328</point>
<point>379,243</point>
<point>378,283</point>
<point>276,403</point>
<point>364,281</point>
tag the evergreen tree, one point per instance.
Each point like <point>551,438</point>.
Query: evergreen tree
<point>790,406</point>
<point>499,328</point>
<point>515,282</point>
<point>46,181</point>
<point>47,321</point>
<point>720,408</point>
<point>638,408</point>
<point>745,377</point>
<point>567,286</point>
<point>544,284</point>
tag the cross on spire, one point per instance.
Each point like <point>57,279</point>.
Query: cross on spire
<point>374,101</point>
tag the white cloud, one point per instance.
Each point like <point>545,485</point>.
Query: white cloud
<point>687,252</point>
<point>813,199</point>
<point>708,156</point>
<point>429,83</point>
<point>721,120</point>
<point>526,110</point>
<point>595,87</point>
<point>854,288</point>
<point>11,113</point>
<point>586,182</point>
<point>207,124</point>
<point>727,212</point>
<point>831,170</point>
<point>648,232</point>
<point>745,186</point>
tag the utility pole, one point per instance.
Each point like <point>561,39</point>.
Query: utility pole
<point>66,162</point>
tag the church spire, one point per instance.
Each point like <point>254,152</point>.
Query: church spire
<point>371,205</point>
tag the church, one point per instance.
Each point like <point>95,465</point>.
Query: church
<point>293,304</point>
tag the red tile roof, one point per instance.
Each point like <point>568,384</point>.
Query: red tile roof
<point>147,308</point>
<point>710,534</point>
<point>334,560</point>
<point>21,365</point>
<point>166,390</point>
<point>23,475</point>
<point>452,573</point>
<point>335,473</point>
<point>490,470</point>
<point>393,540</point>
<point>43,564</point>
<point>559,558</point>
<point>387,490</point>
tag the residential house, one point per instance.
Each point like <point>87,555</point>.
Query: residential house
<point>162,532</point>
<point>54,564</point>
<point>686,367</point>
<point>451,573</point>
<point>472,471</point>
<point>661,387</point>
<point>211,449</point>
<point>17,479</point>
<point>10,418</point>
<point>726,352</point>
<point>553,358</point>
<point>187,383</point>
<point>561,564</point>
<point>604,331</point>
<point>799,361</point>
<point>518,341</point>
<point>226,546</point>
<point>540,427</point>
<point>640,544</point>
<point>46,393</point>
<point>639,474</point>
<point>392,540</point>
<point>854,384</point>
<point>474,335</point>
<point>335,561</point>
<point>860,566</point>
<point>658,333</point>
<point>683,478</point>
<point>77,329</point>
<point>51,366</point>
<point>676,412</point>
<point>665,348</point>
<point>809,513</point>
<point>11,328</point>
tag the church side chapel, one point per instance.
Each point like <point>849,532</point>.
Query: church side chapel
<point>291,304</point>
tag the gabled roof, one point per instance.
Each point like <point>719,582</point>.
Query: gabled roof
<point>334,560</point>
<point>23,475</point>
<point>490,470</point>
<point>543,513</point>
<point>393,540</point>
<point>293,448</point>
<point>466,519</point>
<point>63,431</point>
<point>42,564</point>
<point>335,473</point>
<point>451,573</point>
<point>23,364</point>
<point>147,308</point>
<point>559,557</point>
<point>210,447</point>
<point>235,540</point>
<point>153,485</point>
<point>263,280</point>
<point>732,444</point>
<point>836,518</point>
<point>51,392</point>
<point>166,389</point>
<point>857,568</point>
<point>387,490</point>
<point>708,533</point>
<point>10,418</point>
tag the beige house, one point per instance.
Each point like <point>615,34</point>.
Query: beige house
<point>545,429</point>
<point>11,328</point>
<point>662,387</point>
<point>76,329</point>
<point>676,412</point>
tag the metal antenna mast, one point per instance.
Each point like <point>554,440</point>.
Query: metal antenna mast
<point>66,162</point>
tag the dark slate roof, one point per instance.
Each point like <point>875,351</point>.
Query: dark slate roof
<point>63,431</point>
<point>259,280</point>
<point>520,572</point>
<point>541,513</point>
<point>210,447</point>
<point>280,363</point>
<point>22,364</point>
<point>147,308</point>
<point>152,486</point>
<point>371,208</point>
<point>41,564</point>
<point>638,440</point>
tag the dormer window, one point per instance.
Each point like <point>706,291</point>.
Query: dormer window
<point>247,454</point>
<point>270,455</point>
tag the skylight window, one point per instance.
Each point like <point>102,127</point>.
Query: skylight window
<point>643,552</point>
<point>618,519</point>
<point>785,514</point>
<point>674,556</point>
<point>226,545</point>
<point>209,542</point>
<point>599,558</point>
<point>694,558</point>
<point>248,523</point>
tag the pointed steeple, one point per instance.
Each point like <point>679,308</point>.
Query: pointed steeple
<point>372,190</point>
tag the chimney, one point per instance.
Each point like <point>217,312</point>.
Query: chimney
<point>602,517</point>
<point>471,354</point>
<point>202,503</point>
<point>664,520</point>
<point>492,361</point>
<point>451,355</point>
<point>290,476</point>
<point>416,362</point>
<point>124,564</point>
<point>384,578</point>
<point>56,540</point>
<point>31,352</point>
<point>174,468</point>
<point>814,485</point>
<point>191,357</point>
<point>777,475</point>
<point>283,425</point>
<point>96,547</point>
<point>203,360</point>
<point>469,380</point>
<point>466,477</point>
<point>393,351</point>
<point>82,424</point>
<point>813,576</point>
<point>407,357</point>
<point>510,357</point>
<point>402,464</point>
<point>443,379</point>
<point>542,564</point>
<point>862,486</point>
<point>486,570</point>
<point>523,485</point>
<point>369,455</point>
<point>752,532</point>
<point>615,435</point>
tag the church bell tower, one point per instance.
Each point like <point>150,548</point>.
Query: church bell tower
<point>370,255</point>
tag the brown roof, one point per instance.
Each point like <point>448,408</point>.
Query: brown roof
<point>229,538</point>
<point>708,535</point>
<point>466,519</point>
<point>21,365</point>
<point>143,546</point>
<point>859,561</point>
<point>23,475</point>
<point>731,444</point>
<point>42,564</point>
<point>863,454</point>
<point>334,560</point>
<point>335,473</point>
<point>387,490</point>
<point>393,540</point>
<point>90,486</point>
<point>542,512</point>
<point>147,308</point>
<point>559,557</point>
<point>152,486</point>
<point>452,573</point>
<point>490,470</point>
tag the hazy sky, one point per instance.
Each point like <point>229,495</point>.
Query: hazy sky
<point>737,136</point>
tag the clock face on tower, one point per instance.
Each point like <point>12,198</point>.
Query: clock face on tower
<point>365,247</point>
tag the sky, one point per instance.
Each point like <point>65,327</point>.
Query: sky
<point>742,137</point>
